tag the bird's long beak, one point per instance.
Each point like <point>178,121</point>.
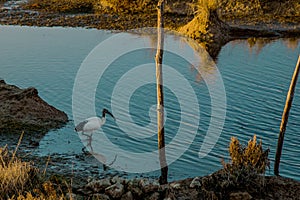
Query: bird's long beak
<point>110,114</point>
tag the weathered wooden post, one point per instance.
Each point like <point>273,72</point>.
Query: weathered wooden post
<point>160,97</point>
<point>285,116</point>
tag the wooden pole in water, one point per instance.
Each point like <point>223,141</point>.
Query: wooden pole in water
<point>285,116</point>
<point>160,97</point>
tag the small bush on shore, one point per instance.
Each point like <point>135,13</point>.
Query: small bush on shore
<point>248,163</point>
<point>244,172</point>
<point>252,157</point>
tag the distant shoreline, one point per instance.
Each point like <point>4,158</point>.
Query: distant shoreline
<point>123,22</point>
<point>237,28</point>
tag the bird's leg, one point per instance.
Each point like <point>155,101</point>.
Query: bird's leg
<point>105,167</point>
<point>89,142</point>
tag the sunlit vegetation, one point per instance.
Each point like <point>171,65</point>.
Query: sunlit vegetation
<point>126,6</point>
<point>21,180</point>
<point>251,158</point>
<point>64,6</point>
<point>14,174</point>
<point>198,27</point>
<point>244,172</point>
<point>227,9</point>
<point>92,6</point>
<point>285,10</point>
<point>247,163</point>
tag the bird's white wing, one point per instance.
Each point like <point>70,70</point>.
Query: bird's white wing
<point>93,123</point>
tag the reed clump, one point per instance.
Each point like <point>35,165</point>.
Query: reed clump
<point>21,180</point>
<point>244,172</point>
<point>15,175</point>
<point>248,163</point>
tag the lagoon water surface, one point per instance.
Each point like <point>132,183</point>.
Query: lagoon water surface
<point>256,79</point>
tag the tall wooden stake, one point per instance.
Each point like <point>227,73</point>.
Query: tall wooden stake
<point>160,97</point>
<point>285,116</point>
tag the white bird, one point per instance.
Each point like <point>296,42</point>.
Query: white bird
<point>93,123</point>
<point>90,125</point>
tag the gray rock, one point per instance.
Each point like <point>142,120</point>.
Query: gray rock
<point>148,186</point>
<point>99,185</point>
<point>153,196</point>
<point>196,182</point>
<point>137,192</point>
<point>144,182</point>
<point>100,197</point>
<point>117,179</point>
<point>240,196</point>
<point>115,191</point>
<point>127,196</point>
<point>133,186</point>
<point>175,185</point>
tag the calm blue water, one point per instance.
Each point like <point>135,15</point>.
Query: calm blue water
<point>256,81</point>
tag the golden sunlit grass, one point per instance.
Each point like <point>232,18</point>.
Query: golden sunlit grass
<point>247,162</point>
<point>95,6</point>
<point>260,10</point>
<point>126,6</point>
<point>14,174</point>
<point>251,157</point>
<point>198,27</point>
<point>64,6</point>
<point>21,180</point>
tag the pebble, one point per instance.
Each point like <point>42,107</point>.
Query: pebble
<point>196,182</point>
<point>115,191</point>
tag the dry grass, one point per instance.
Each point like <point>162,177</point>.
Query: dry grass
<point>248,163</point>
<point>227,9</point>
<point>198,28</point>
<point>286,10</point>
<point>251,157</point>
<point>21,180</point>
<point>63,6</point>
<point>92,6</point>
<point>14,174</point>
<point>126,6</point>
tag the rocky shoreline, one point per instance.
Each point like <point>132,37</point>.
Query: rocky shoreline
<point>214,186</point>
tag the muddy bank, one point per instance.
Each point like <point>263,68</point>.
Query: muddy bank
<point>24,110</point>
